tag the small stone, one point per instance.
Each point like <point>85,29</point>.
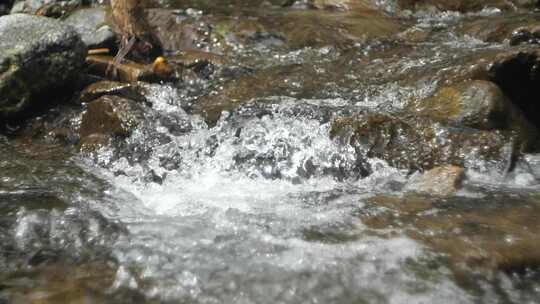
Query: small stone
<point>439,181</point>
<point>110,115</point>
<point>93,142</point>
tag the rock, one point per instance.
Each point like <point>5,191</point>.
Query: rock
<point>416,143</point>
<point>106,87</point>
<point>439,181</point>
<point>37,54</point>
<point>526,34</point>
<point>111,116</point>
<point>64,282</point>
<point>5,7</point>
<point>91,24</point>
<point>18,7</point>
<point>49,8</point>
<point>517,74</point>
<point>477,104</point>
<point>479,235</point>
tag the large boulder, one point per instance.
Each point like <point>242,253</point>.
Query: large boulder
<point>37,54</point>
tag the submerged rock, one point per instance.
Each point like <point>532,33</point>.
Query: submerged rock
<point>478,104</point>
<point>37,54</point>
<point>482,236</point>
<point>439,181</point>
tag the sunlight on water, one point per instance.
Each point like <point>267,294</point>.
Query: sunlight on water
<point>255,214</point>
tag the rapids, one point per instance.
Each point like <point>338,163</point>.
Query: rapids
<point>261,205</point>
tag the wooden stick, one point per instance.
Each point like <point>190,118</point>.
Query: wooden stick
<point>98,51</point>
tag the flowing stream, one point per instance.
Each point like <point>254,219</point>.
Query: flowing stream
<point>262,207</point>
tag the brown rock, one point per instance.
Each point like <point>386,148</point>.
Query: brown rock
<point>60,283</point>
<point>478,104</point>
<point>110,115</point>
<point>106,87</point>
<point>482,235</point>
<point>417,143</point>
<point>439,181</point>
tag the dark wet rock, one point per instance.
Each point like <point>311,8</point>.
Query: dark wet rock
<point>518,75</point>
<point>91,24</point>
<point>482,236</point>
<point>5,7</point>
<point>477,104</point>
<point>439,181</point>
<point>110,115</point>
<point>106,87</point>
<point>421,144</point>
<point>525,35</point>
<point>37,54</point>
